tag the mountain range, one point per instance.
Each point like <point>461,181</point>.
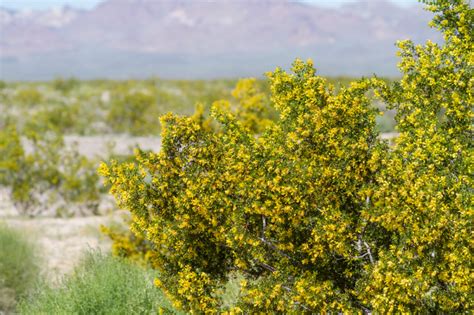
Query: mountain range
<point>205,39</point>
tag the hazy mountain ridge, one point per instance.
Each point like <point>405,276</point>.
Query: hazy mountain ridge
<point>243,31</point>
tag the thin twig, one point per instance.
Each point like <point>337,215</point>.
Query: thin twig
<point>369,252</point>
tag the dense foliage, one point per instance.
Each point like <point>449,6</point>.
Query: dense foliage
<point>422,195</point>
<point>129,245</point>
<point>316,212</point>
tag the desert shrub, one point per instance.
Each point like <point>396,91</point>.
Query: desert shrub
<point>248,103</point>
<point>317,213</point>
<point>422,195</point>
<point>137,250</point>
<point>11,153</point>
<point>65,85</point>
<point>61,119</point>
<point>28,97</point>
<point>229,201</point>
<point>101,284</point>
<point>127,244</point>
<point>135,113</point>
<point>251,106</point>
<point>19,269</point>
<point>50,177</point>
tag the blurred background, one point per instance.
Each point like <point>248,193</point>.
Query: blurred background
<point>184,39</point>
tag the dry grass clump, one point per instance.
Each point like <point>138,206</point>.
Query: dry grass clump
<point>19,267</point>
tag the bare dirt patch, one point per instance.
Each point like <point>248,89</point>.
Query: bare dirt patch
<point>63,241</point>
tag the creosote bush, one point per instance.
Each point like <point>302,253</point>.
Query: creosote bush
<point>316,212</point>
<point>126,244</point>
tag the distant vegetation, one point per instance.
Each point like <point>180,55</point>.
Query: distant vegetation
<point>70,106</point>
<point>51,176</point>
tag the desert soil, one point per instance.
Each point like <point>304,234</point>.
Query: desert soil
<point>102,145</point>
<point>62,242</point>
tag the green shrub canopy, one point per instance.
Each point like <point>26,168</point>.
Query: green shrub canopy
<point>317,213</point>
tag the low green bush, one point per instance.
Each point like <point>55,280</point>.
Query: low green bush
<point>101,284</point>
<point>134,112</point>
<point>65,85</point>
<point>28,97</point>
<point>18,267</point>
<point>60,118</point>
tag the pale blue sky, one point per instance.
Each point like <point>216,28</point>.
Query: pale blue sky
<point>86,4</point>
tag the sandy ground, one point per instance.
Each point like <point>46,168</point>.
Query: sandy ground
<point>102,145</point>
<point>61,241</point>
